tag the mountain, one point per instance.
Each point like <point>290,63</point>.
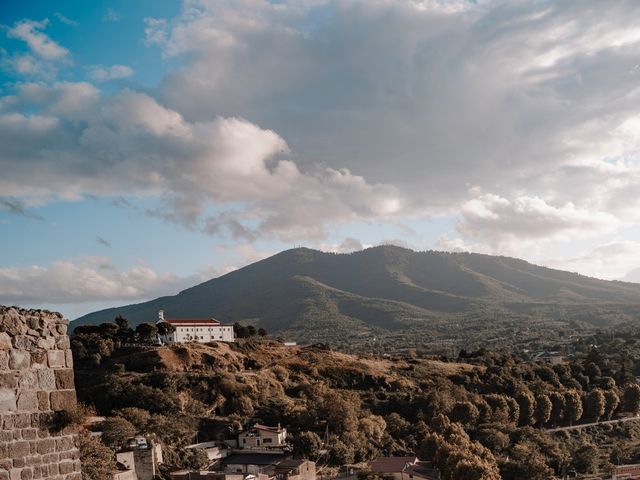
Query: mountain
<point>311,294</point>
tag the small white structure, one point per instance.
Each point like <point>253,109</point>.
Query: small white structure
<point>263,436</point>
<point>196,330</point>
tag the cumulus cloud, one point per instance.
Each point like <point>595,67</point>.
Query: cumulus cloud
<point>100,73</point>
<point>45,55</point>
<point>615,260</point>
<point>431,97</point>
<point>508,224</point>
<point>40,44</point>
<point>87,279</point>
<point>131,142</point>
<point>519,118</point>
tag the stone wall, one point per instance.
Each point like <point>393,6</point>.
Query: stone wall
<point>36,386</point>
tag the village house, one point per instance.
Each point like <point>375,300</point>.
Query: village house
<point>263,437</point>
<point>203,330</point>
<point>403,468</point>
<point>253,463</point>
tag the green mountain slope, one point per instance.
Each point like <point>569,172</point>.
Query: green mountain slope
<point>384,288</point>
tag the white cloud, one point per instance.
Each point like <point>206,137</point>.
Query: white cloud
<point>100,73</point>
<point>87,279</point>
<point>507,225</point>
<point>66,20</point>
<point>111,16</point>
<point>39,43</point>
<point>130,142</point>
<point>616,260</point>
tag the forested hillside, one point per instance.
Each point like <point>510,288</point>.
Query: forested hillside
<point>307,294</point>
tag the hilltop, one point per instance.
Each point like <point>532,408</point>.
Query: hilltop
<point>308,294</point>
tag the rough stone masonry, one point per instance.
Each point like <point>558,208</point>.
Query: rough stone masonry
<point>36,385</point>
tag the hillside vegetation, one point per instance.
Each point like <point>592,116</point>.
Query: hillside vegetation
<point>484,416</point>
<point>382,291</point>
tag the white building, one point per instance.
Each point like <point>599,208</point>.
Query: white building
<point>263,436</point>
<point>196,330</point>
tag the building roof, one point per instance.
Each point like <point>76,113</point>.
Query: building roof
<point>267,428</point>
<point>253,458</point>
<point>391,464</point>
<point>192,321</point>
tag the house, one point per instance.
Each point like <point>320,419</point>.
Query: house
<point>627,472</point>
<point>403,468</point>
<point>211,475</point>
<point>292,469</point>
<point>196,330</point>
<point>274,466</point>
<point>250,463</point>
<point>139,463</point>
<point>263,437</point>
<point>212,449</point>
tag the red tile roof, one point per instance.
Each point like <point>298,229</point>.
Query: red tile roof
<point>192,321</point>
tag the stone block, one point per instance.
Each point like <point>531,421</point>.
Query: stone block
<point>56,359</point>
<point>5,341</point>
<point>69,358</point>
<point>63,400</point>
<point>22,420</point>
<point>14,474</point>
<point>7,399</point>
<point>47,343</point>
<point>24,342</point>
<point>19,360</point>
<point>47,379</point>
<point>19,450</point>
<point>46,445</point>
<point>39,359</point>
<point>9,380</point>
<point>62,343</point>
<point>64,443</point>
<point>64,379</point>
<point>26,474</point>
<point>65,468</point>
<point>43,400</point>
<point>28,380</point>
<point>4,360</point>
<point>27,400</point>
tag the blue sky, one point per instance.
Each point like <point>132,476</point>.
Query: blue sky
<point>146,146</point>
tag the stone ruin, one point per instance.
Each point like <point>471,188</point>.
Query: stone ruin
<point>36,388</point>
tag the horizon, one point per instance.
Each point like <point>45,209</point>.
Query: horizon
<point>150,146</point>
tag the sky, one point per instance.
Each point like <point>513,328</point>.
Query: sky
<point>148,146</point>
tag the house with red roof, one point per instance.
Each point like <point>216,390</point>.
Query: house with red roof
<point>202,330</point>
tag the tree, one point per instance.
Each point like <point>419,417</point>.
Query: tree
<point>121,322</point>
<point>465,413</point>
<point>306,445</point>
<point>612,400</point>
<point>97,460</point>
<point>543,409</point>
<point>197,459</point>
<point>147,332</point>
<point>527,404</point>
<point>573,406</point>
<point>340,452</point>
<point>262,332</point>
<point>595,404</point>
<point>585,458</point>
<point>557,407</point>
<point>165,328</point>
<point>631,397</point>
<point>116,431</point>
